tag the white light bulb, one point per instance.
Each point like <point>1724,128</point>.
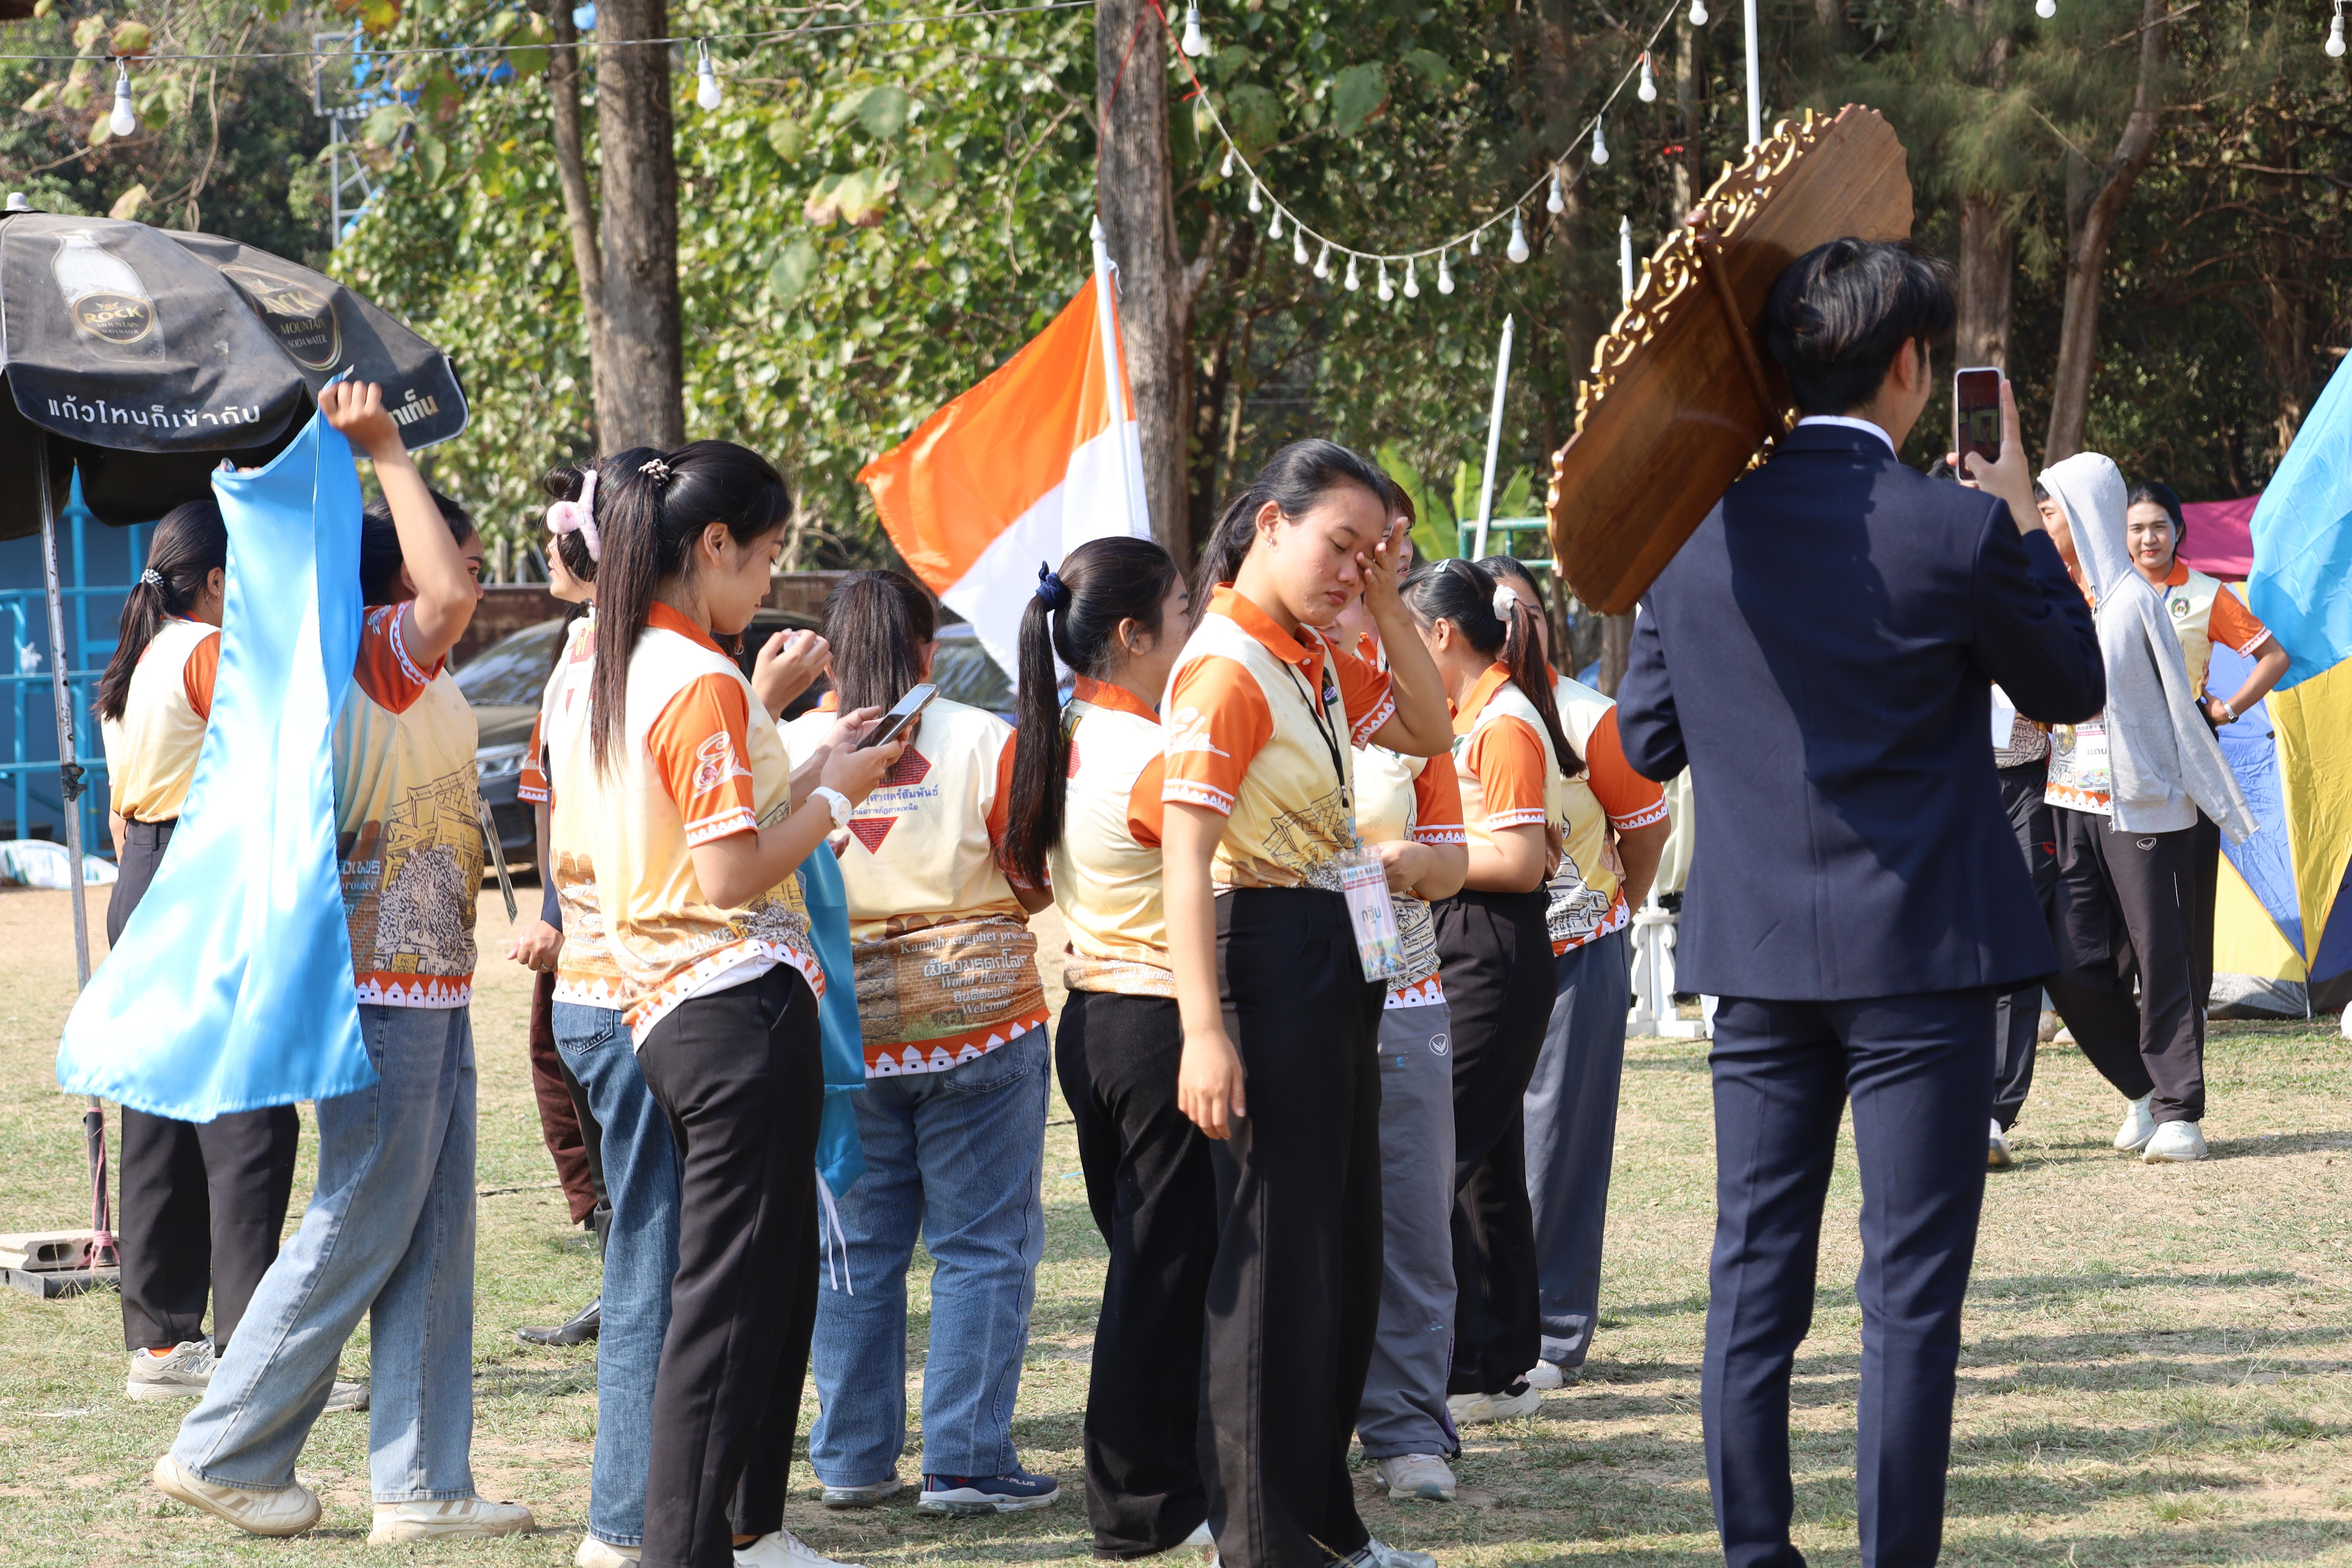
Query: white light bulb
<point>1195,45</point>
<point>1297,245</point>
<point>706,85</point>
<point>1225,170</point>
<point>122,121</point>
<point>1412,283</point>
<point>1517,249</point>
<point>1476,234</point>
<point>1599,145</point>
<point>2335,36</point>
<point>1555,205</point>
<point>1323,260</point>
<point>1698,12</point>
<point>1387,293</point>
<point>1648,91</point>
<point>1354,282</point>
<point>1444,275</point>
<point>1257,201</point>
<point>1274,227</point>
<point>2046,9</point>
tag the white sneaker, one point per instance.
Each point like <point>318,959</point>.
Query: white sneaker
<point>1201,1536</point>
<point>1997,1154</point>
<point>2174,1142</point>
<point>183,1372</point>
<point>595,1554</point>
<point>782,1549</point>
<point>447,1519</point>
<point>1378,1554</point>
<point>287,1511</point>
<point>2138,1127</point>
<point>863,1497</point>
<point>1423,1476</point>
<point>1469,1409</point>
<point>346,1396</point>
<point>1548,1376</point>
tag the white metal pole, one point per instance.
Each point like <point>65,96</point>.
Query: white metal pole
<point>1114,391</point>
<point>1625,256</point>
<point>1755,87</point>
<point>1493,440</point>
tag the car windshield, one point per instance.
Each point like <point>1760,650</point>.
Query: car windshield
<point>512,671</point>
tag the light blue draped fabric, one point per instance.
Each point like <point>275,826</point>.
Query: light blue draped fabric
<point>231,988</point>
<point>840,1157</point>
<point>2300,586</point>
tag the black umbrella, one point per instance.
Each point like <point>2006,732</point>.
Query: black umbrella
<point>143,357</point>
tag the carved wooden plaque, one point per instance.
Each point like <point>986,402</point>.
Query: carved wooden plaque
<point>1680,401</point>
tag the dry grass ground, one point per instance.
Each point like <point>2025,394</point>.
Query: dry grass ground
<point>2158,1365</point>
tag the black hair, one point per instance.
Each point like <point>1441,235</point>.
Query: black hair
<point>876,621</point>
<point>2041,493</point>
<point>650,518</point>
<point>1838,314</point>
<point>1101,584</point>
<point>2156,492</point>
<point>1462,593</point>
<point>565,482</point>
<point>380,560</point>
<point>1294,479</point>
<point>1511,566</point>
<point>190,544</point>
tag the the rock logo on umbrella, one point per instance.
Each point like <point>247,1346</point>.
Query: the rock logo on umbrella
<point>303,319</point>
<point>107,303</point>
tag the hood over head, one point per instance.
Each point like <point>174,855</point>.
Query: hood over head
<point>2092,489</point>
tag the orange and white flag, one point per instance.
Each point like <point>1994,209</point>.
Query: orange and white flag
<point>1036,461</point>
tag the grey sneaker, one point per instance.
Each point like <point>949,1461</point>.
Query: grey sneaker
<point>347,1396</point>
<point>1378,1553</point>
<point>183,1372</point>
<point>865,1496</point>
<point>1424,1476</point>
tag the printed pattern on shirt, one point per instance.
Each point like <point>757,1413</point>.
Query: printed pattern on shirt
<point>1587,893</point>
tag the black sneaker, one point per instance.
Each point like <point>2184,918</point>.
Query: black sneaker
<point>987,1494</point>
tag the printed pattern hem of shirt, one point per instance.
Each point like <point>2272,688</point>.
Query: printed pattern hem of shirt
<point>911,1056</point>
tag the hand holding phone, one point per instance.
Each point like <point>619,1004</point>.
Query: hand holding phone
<point>1976,418</point>
<point>896,722</point>
<point>1999,470</point>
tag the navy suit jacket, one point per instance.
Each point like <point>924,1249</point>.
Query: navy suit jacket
<point>1819,655</point>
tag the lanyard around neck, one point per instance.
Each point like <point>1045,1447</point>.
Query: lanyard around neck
<point>1325,732</point>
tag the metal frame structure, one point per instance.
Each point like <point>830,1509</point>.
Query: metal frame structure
<point>346,169</point>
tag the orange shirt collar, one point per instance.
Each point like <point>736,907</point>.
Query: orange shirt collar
<point>1102,694</point>
<point>829,703</point>
<point>2178,575</point>
<point>1467,714</point>
<point>1241,609</point>
<point>669,620</point>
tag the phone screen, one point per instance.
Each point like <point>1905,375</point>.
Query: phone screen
<point>898,718</point>
<point>1976,417</point>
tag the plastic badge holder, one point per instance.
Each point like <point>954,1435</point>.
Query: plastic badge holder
<point>1364,883</point>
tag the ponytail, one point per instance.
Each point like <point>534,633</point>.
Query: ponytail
<point>1294,479</point>
<point>877,622</point>
<point>1498,624</point>
<point>190,544</point>
<point>1075,612</point>
<point>649,520</point>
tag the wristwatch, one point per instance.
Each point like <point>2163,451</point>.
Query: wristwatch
<point>2229,714</point>
<point>834,801</point>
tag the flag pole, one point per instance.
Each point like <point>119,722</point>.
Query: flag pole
<point>1494,440</point>
<point>1114,386</point>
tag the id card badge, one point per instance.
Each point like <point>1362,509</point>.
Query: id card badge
<point>1364,883</point>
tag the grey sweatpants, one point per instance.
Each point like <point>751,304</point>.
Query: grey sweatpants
<point>1571,1122</point>
<point>1404,1410</point>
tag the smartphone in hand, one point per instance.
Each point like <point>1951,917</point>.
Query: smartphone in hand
<point>898,718</point>
<point>1976,418</point>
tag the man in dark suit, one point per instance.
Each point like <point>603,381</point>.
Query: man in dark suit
<point>1819,656</point>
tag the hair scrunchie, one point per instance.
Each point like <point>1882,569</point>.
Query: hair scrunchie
<point>151,577</point>
<point>1506,602</point>
<point>579,517</point>
<point>1052,589</point>
<point>656,470</point>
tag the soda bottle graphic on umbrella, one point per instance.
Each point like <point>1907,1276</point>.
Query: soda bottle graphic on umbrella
<point>110,307</point>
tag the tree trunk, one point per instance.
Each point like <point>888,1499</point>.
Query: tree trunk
<point>564,64</point>
<point>1988,272</point>
<point>641,395</point>
<point>2093,211</point>
<point>1616,651</point>
<point>1135,195</point>
<point>1688,183</point>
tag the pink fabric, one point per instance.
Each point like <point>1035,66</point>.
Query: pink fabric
<point>2219,543</point>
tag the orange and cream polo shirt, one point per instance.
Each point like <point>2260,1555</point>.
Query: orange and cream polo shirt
<point>408,828</point>
<point>584,969</point>
<point>150,751</point>
<point>1401,799</point>
<point>947,966</point>
<point>1587,893</point>
<point>1107,865</point>
<point>692,768</point>
<point>1503,757</point>
<point>2203,612</point>
<point>1254,717</point>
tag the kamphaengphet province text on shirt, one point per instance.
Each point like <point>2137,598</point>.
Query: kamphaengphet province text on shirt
<point>585,971</point>
<point>1261,727</point>
<point>1106,868</point>
<point>947,967</point>
<point>1416,800</point>
<point>1588,891</point>
<point>408,827</point>
<point>691,766</point>
<point>2203,612</point>
<point>150,751</point>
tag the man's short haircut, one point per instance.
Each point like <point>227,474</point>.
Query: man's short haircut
<point>1841,310</point>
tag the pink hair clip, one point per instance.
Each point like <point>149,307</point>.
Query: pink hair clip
<point>579,517</point>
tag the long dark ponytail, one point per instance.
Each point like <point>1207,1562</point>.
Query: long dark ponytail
<point>1075,612</point>
<point>650,521</point>
<point>1462,593</point>
<point>1294,479</point>
<point>877,622</point>
<point>190,544</point>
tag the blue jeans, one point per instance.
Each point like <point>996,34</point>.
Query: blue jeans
<point>640,1255</point>
<point>957,1155</point>
<point>389,1233</point>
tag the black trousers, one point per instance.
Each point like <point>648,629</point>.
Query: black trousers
<point>740,1076</point>
<point>1153,1189</point>
<point>1921,1080</point>
<point>2126,904</point>
<point>202,1203</point>
<point>2017,1015</point>
<point>1294,1296</point>
<point>1498,972</point>
<point>2207,848</point>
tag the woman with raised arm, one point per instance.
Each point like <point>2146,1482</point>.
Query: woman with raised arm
<point>1279,1017</point>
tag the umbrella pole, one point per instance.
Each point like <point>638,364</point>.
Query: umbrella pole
<point>70,781</point>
